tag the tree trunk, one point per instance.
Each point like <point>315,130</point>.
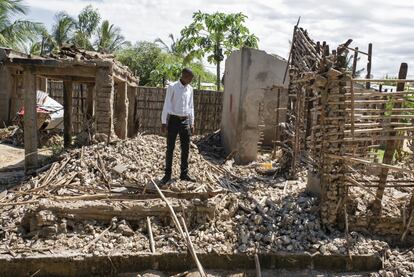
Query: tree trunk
<point>218,76</point>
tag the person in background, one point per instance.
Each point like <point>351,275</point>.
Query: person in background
<point>178,119</point>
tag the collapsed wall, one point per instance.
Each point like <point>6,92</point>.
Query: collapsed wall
<point>252,77</point>
<point>341,125</point>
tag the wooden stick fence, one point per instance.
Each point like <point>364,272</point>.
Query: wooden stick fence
<point>207,109</point>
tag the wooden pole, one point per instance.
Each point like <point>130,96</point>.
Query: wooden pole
<point>121,111</point>
<point>180,229</point>
<point>390,148</point>
<point>291,49</point>
<point>369,64</point>
<point>131,94</point>
<point>151,237</point>
<point>67,108</point>
<point>257,263</point>
<point>30,121</point>
<point>355,62</point>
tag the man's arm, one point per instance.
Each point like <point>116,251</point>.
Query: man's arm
<point>192,111</point>
<point>166,108</point>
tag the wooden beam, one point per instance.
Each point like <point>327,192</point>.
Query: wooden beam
<point>67,116</point>
<point>72,71</point>
<point>30,121</point>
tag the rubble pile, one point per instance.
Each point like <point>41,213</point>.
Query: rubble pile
<point>14,135</point>
<point>398,263</point>
<point>250,213</point>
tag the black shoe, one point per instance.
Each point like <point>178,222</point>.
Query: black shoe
<point>165,179</point>
<point>188,178</point>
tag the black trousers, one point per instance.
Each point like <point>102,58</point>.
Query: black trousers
<point>177,126</point>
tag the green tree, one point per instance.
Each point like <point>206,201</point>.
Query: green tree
<point>63,29</point>
<point>109,38</point>
<point>16,34</point>
<point>216,35</point>
<point>142,58</point>
<point>86,26</point>
<point>155,67</point>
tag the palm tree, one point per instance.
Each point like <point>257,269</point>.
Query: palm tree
<point>172,48</point>
<point>109,38</point>
<point>16,34</point>
<point>62,31</point>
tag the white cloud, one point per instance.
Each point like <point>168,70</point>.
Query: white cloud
<point>387,24</point>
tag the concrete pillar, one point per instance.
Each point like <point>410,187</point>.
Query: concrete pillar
<point>5,92</point>
<point>122,111</point>
<point>104,101</point>
<point>89,100</point>
<point>132,92</point>
<point>30,121</point>
<point>67,109</point>
<point>249,73</point>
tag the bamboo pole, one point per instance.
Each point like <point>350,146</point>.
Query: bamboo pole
<point>151,237</point>
<point>180,230</point>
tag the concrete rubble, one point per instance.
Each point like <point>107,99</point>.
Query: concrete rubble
<point>235,209</point>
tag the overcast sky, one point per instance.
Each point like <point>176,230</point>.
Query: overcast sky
<point>389,25</point>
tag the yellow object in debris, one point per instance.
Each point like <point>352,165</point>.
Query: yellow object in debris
<point>267,165</point>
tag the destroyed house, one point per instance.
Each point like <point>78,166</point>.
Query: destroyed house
<point>109,85</point>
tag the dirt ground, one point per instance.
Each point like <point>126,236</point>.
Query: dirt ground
<point>12,162</point>
<point>12,157</point>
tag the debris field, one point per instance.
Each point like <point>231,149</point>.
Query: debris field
<point>99,200</point>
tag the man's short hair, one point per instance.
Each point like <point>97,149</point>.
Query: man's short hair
<point>187,70</point>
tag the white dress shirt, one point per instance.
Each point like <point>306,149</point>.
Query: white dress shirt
<point>178,101</point>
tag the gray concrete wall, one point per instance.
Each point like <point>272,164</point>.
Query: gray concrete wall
<point>231,102</point>
<point>249,74</point>
<point>5,91</point>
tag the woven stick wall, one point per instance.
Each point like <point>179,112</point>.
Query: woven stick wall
<point>55,91</point>
<point>340,125</point>
<point>207,109</point>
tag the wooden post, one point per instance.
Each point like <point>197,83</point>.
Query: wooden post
<point>30,121</point>
<point>67,108</point>
<point>131,110</point>
<point>390,147</point>
<point>122,111</point>
<point>369,64</point>
<point>89,100</point>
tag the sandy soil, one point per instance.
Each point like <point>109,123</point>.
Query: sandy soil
<point>12,158</point>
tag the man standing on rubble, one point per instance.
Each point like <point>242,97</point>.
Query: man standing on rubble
<point>178,118</point>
